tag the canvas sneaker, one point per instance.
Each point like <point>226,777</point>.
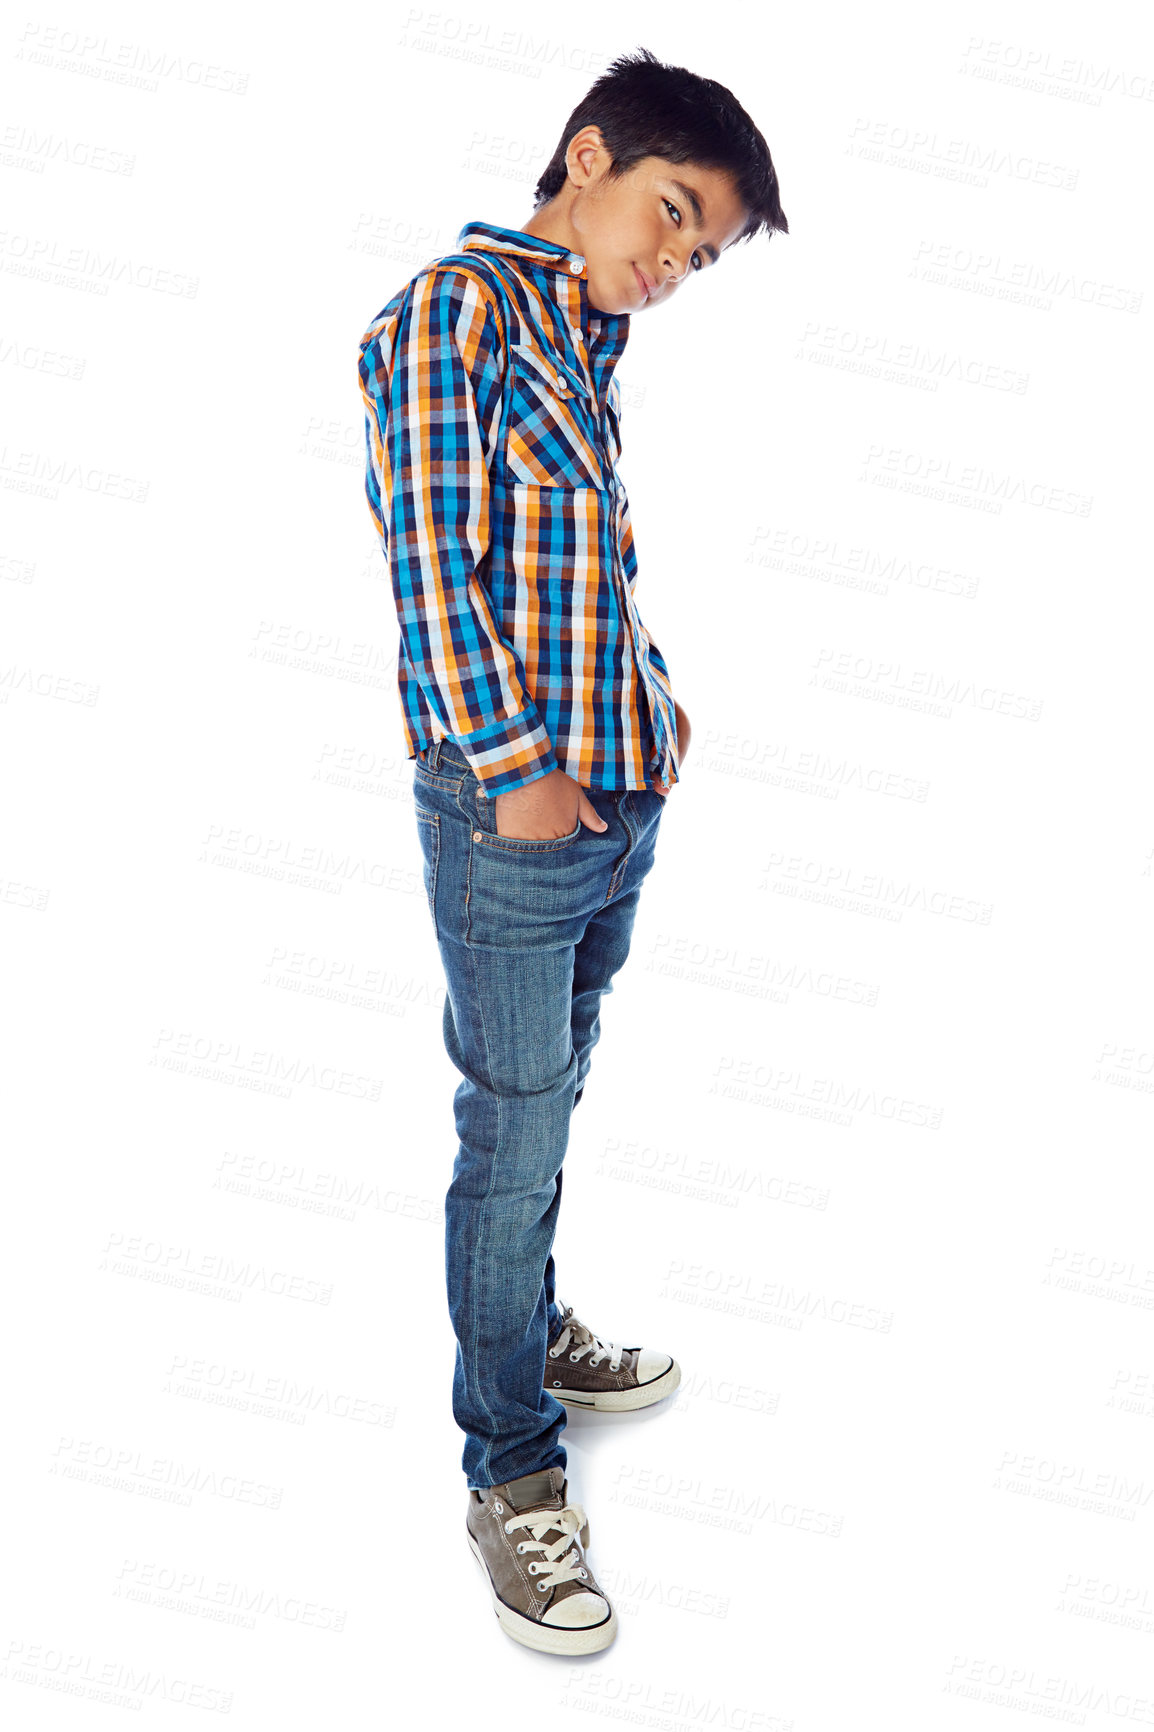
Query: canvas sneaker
<point>529,1540</point>
<point>582,1370</point>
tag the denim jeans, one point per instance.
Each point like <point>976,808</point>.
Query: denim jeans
<point>531,934</point>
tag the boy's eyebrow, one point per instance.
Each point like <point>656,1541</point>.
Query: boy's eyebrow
<point>698,209</point>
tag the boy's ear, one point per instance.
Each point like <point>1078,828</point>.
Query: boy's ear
<point>582,153</point>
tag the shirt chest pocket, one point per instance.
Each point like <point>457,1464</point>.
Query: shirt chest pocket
<point>550,431</point>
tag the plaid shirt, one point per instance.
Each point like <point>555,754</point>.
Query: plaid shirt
<point>492,428</point>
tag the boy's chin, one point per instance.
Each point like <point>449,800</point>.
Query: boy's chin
<point>596,305</point>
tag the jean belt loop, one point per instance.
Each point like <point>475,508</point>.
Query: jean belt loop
<point>434,754</point>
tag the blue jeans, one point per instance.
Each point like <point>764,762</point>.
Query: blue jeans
<point>531,934</point>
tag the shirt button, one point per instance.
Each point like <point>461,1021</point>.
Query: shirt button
<point>576,263</point>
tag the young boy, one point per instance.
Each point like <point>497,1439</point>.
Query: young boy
<point>546,738</point>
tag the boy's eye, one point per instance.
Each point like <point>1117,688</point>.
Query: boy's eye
<point>669,205</point>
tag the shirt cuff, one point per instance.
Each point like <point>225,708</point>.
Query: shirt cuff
<point>509,753</point>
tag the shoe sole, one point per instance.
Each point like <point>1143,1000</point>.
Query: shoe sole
<point>622,1400</point>
<point>545,1638</point>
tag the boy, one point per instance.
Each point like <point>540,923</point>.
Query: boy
<point>546,739</point>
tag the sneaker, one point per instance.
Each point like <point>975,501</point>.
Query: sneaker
<point>583,1371</point>
<point>524,1534</point>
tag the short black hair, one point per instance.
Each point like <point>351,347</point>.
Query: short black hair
<point>646,108</point>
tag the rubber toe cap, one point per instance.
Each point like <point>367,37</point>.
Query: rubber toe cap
<point>577,1611</point>
<point>651,1364</point>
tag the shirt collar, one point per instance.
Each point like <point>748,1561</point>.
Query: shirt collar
<point>607,332</point>
<point>569,266</point>
<point>491,238</point>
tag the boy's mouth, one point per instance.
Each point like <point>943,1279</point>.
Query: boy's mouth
<point>647,284</point>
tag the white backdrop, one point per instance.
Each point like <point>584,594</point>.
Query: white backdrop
<point>866,1140</point>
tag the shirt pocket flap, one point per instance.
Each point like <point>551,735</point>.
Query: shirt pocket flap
<point>528,358</point>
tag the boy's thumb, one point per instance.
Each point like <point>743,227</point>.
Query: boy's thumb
<point>589,814</point>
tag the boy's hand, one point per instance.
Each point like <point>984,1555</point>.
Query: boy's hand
<point>545,809</point>
<point>683,734</point>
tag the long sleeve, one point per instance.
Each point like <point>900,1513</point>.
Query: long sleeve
<point>431,426</point>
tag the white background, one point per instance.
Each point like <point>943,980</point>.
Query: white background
<point>866,1140</point>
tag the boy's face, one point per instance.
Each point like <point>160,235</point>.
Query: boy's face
<point>640,236</point>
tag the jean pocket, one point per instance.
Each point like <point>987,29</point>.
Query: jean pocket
<point>529,894</point>
<point>485,807</point>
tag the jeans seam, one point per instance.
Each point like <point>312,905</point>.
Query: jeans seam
<point>486,1459</point>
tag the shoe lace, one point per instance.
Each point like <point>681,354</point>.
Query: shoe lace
<point>575,1331</point>
<point>562,1561</point>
